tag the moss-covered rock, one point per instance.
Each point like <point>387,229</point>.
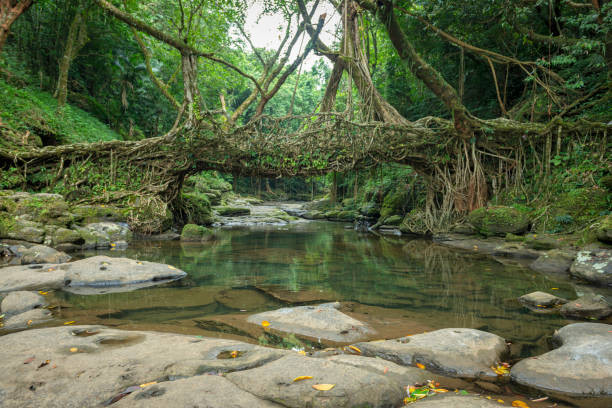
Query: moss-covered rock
<point>64,236</point>
<point>393,203</point>
<point>604,231</point>
<point>196,208</point>
<point>577,209</point>
<point>370,209</point>
<point>23,230</point>
<point>87,214</point>
<point>606,182</point>
<point>42,208</point>
<point>232,211</point>
<point>314,215</point>
<point>510,237</point>
<point>393,220</point>
<point>342,216</point>
<point>498,221</point>
<point>542,242</point>
<point>192,232</point>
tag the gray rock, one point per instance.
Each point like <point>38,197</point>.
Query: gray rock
<point>99,272</point>
<point>589,306</point>
<point>541,301</point>
<point>354,387</point>
<point>210,391</point>
<point>21,301</point>
<point>491,246</point>
<point>594,266</point>
<point>456,401</point>
<point>578,372</point>
<point>38,254</point>
<point>465,353</point>
<point>26,231</point>
<point>323,322</point>
<point>27,319</point>
<point>554,261</point>
<point>90,365</point>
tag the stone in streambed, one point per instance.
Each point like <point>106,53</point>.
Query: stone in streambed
<point>27,319</point>
<point>21,301</point>
<point>541,302</point>
<point>499,221</point>
<point>554,261</point>
<point>452,400</point>
<point>579,371</point>
<point>589,306</point>
<point>353,386</point>
<point>90,365</point>
<point>99,272</point>
<point>323,322</point>
<point>465,353</point>
<point>594,266</point>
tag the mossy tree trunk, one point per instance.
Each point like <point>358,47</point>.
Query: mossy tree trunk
<point>76,40</point>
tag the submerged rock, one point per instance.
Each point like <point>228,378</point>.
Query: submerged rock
<point>579,371</point>
<point>465,353</point>
<point>589,306</point>
<point>99,272</point>
<point>594,266</point>
<point>324,322</point>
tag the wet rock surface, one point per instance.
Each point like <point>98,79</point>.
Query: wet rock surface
<point>27,319</point>
<point>589,306</point>
<point>541,301</point>
<point>579,371</point>
<point>21,301</point>
<point>594,266</point>
<point>490,246</point>
<point>554,261</point>
<point>100,272</point>
<point>31,254</point>
<point>323,322</point>
<point>465,353</point>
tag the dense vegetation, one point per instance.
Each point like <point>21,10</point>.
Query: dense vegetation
<point>87,71</point>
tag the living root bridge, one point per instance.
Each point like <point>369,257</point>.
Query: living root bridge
<point>458,170</point>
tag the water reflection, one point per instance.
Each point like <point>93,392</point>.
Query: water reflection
<point>247,271</point>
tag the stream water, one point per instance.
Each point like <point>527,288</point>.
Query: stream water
<point>400,286</point>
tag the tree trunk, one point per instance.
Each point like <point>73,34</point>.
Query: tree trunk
<point>189,64</point>
<point>10,10</point>
<point>76,40</point>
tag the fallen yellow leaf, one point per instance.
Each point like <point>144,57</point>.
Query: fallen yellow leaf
<point>554,288</point>
<point>73,349</point>
<point>29,322</point>
<point>501,401</point>
<point>323,387</point>
<point>439,390</point>
<point>70,322</point>
<point>42,292</point>
<point>302,377</point>
<point>519,404</point>
<point>265,323</point>
<point>302,352</point>
<point>171,267</point>
<point>421,366</point>
<point>234,354</point>
<point>355,349</point>
<point>147,384</point>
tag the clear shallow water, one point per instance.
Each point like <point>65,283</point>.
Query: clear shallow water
<point>398,285</point>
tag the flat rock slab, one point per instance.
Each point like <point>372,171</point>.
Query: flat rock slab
<point>90,365</point>
<point>490,246</point>
<point>464,353</point>
<point>39,254</point>
<point>554,261</point>
<point>27,319</point>
<point>580,371</point>
<point>98,272</point>
<point>589,306</point>
<point>594,266</point>
<point>353,386</point>
<point>21,301</point>
<point>324,322</point>
<point>541,302</point>
<point>210,391</point>
<point>459,401</point>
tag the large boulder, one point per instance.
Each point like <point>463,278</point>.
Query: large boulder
<point>37,254</point>
<point>554,261</point>
<point>192,232</point>
<point>465,353</point>
<point>499,221</point>
<point>589,306</point>
<point>196,209</point>
<point>232,211</point>
<point>27,319</point>
<point>88,214</point>
<point>594,266</point>
<point>579,371</point>
<point>43,208</point>
<point>98,273</point>
<point>604,230</point>
<point>23,230</point>
<point>323,322</point>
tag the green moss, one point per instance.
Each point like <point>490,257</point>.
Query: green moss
<point>576,209</point>
<point>7,223</point>
<point>87,214</point>
<point>498,221</point>
<point>393,220</point>
<point>196,209</point>
<point>232,211</point>
<point>604,230</point>
<point>606,182</point>
<point>192,232</point>
<point>510,237</point>
<point>393,203</point>
<point>31,109</point>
